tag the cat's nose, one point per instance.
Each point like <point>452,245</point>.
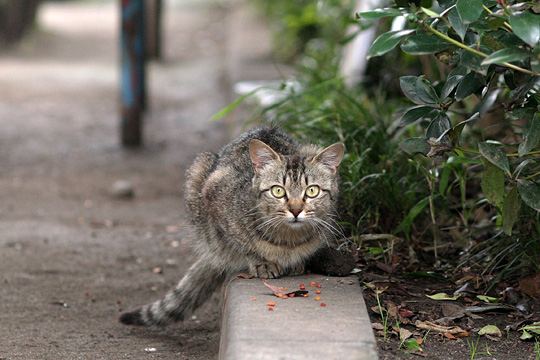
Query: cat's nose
<point>295,212</point>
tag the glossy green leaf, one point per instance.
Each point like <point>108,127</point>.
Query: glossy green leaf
<point>468,85</point>
<point>469,10</point>
<point>457,24</point>
<point>437,126</point>
<point>429,12</point>
<point>526,26</point>
<point>417,145</point>
<point>415,113</point>
<point>493,184</point>
<point>406,223</point>
<point>510,211</point>
<point>418,89</point>
<point>530,193</point>
<point>495,155</point>
<point>386,42</point>
<point>458,129</point>
<point>505,55</point>
<point>531,138</point>
<point>421,44</point>
<point>379,13</point>
<point>534,327</point>
<point>450,84</point>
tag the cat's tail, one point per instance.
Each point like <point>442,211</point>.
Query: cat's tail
<point>195,287</point>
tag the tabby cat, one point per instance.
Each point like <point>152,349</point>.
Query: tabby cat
<point>263,204</point>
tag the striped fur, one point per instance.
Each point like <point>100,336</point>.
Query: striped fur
<point>241,226</point>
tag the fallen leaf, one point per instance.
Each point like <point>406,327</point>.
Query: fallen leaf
<point>428,325</point>
<point>404,334</point>
<point>452,310</point>
<point>487,299</point>
<point>490,330</point>
<point>377,326</point>
<point>443,296</point>
<point>411,345</point>
<point>449,336</point>
<point>534,328</point>
<point>392,309</point>
<point>405,313</point>
<point>488,308</point>
<point>526,335</point>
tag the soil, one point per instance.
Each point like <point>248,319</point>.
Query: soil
<point>72,255</point>
<point>409,294</point>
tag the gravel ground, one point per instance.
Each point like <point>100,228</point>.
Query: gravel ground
<point>72,256</point>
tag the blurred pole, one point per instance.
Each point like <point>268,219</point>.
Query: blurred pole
<point>133,71</point>
<point>154,11</point>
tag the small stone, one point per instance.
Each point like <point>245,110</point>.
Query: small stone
<point>149,349</point>
<point>157,270</point>
<point>122,189</point>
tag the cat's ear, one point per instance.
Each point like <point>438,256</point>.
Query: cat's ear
<point>261,154</point>
<point>331,156</point>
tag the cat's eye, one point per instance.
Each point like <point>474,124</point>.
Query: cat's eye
<point>277,191</point>
<point>312,191</point>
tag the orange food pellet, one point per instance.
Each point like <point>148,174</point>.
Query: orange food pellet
<point>270,308</point>
<point>323,304</point>
<point>312,283</point>
<point>306,295</point>
<point>317,291</point>
<point>271,304</point>
<point>302,286</point>
<point>317,298</point>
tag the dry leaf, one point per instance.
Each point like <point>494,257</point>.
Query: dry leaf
<point>404,334</point>
<point>428,325</point>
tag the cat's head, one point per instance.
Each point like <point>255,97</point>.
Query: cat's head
<point>299,190</point>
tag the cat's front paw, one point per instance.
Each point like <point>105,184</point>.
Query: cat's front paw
<point>298,269</point>
<point>265,270</point>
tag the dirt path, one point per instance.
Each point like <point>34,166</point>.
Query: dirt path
<point>71,256</point>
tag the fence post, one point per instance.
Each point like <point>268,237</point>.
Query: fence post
<point>133,72</point>
<point>154,11</point>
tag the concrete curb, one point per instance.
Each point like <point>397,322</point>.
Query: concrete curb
<point>296,328</point>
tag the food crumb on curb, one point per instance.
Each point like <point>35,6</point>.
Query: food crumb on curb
<point>323,304</point>
<point>317,298</point>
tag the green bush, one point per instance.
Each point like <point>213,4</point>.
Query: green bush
<point>481,109</point>
<point>457,172</point>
